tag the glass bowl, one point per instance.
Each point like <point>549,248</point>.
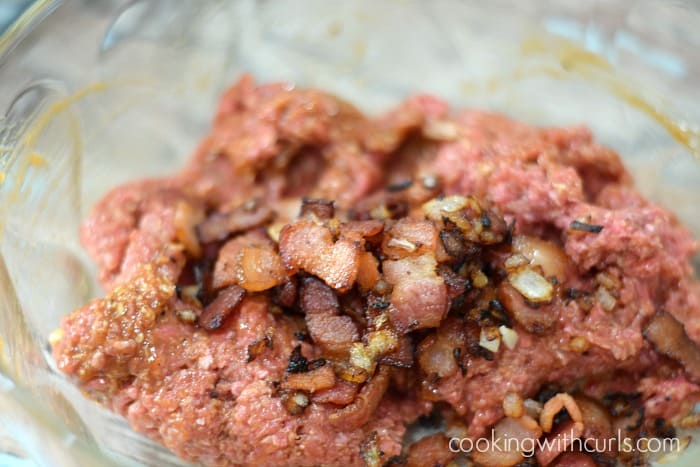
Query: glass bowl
<point>98,93</point>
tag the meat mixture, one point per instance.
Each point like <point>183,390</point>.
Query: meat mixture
<point>315,280</point>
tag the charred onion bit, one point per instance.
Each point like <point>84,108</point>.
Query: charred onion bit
<point>305,245</point>
<point>329,329</point>
<point>224,304</point>
<point>669,338</point>
<point>478,223</point>
<point>248,215</point>
<point>258,346</point>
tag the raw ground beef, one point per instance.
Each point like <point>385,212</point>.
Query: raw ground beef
<point>213,278</point>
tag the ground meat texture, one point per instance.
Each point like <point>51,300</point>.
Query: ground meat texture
<point>304,233</point>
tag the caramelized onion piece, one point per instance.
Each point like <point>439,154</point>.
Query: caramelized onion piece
<point>223,305</point>
<point>311,381</point>
<point>260,269</point>
<point>361,409</point>
<point>669,338</point>
<point>431,450</point>
<point>310,247</point>
<point>478,223</point>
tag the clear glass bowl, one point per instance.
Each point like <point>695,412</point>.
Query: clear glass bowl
<point>98,93</point>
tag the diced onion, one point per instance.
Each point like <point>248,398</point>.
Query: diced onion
<point>510,337</point>
<point>531,285</point>
<point>605,298</point>
<point>489,341</point>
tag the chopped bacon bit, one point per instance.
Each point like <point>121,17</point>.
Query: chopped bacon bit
<point>368,272</point>
<point>310,381</point>
<point>310,247</point>
<point>343,393</point>
<point>228,267</point>
<point>333,332</point>
<point>260,269</point>
<point>285,294</point>
<point>669,338</point>
<point>297,362</point>
<point>402,356</point>
<point>360,230</point>
<point>431,450</point>
<point>247,216</point>
<point>419,295</point>
<point>223,305</point>
<point>361,409</point>
<point>317,209</point>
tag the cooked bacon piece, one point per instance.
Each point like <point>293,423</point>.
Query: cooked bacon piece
<point>368,271</point>
<point>361,230</point>
<point>260,269</point>
<point>343,393</point>
<point>249,261</point>
<point>223,305</point>
<point>285,294</point>
<point>669,338</point>
<point>536,320</point>
<point>559,441</point>
<point>361,409</point>
<point>410,237</point>
<point>402,356</point>
<point>433,450</point>
<point>333,332</point>
<point>311,381</point>
<point>419,296</point>
<point>575,459</point>
<point>308,246</point>
<point>247,216</point>
<point>551,258</point>
<point>596,420</point>
<point>317,209</point>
